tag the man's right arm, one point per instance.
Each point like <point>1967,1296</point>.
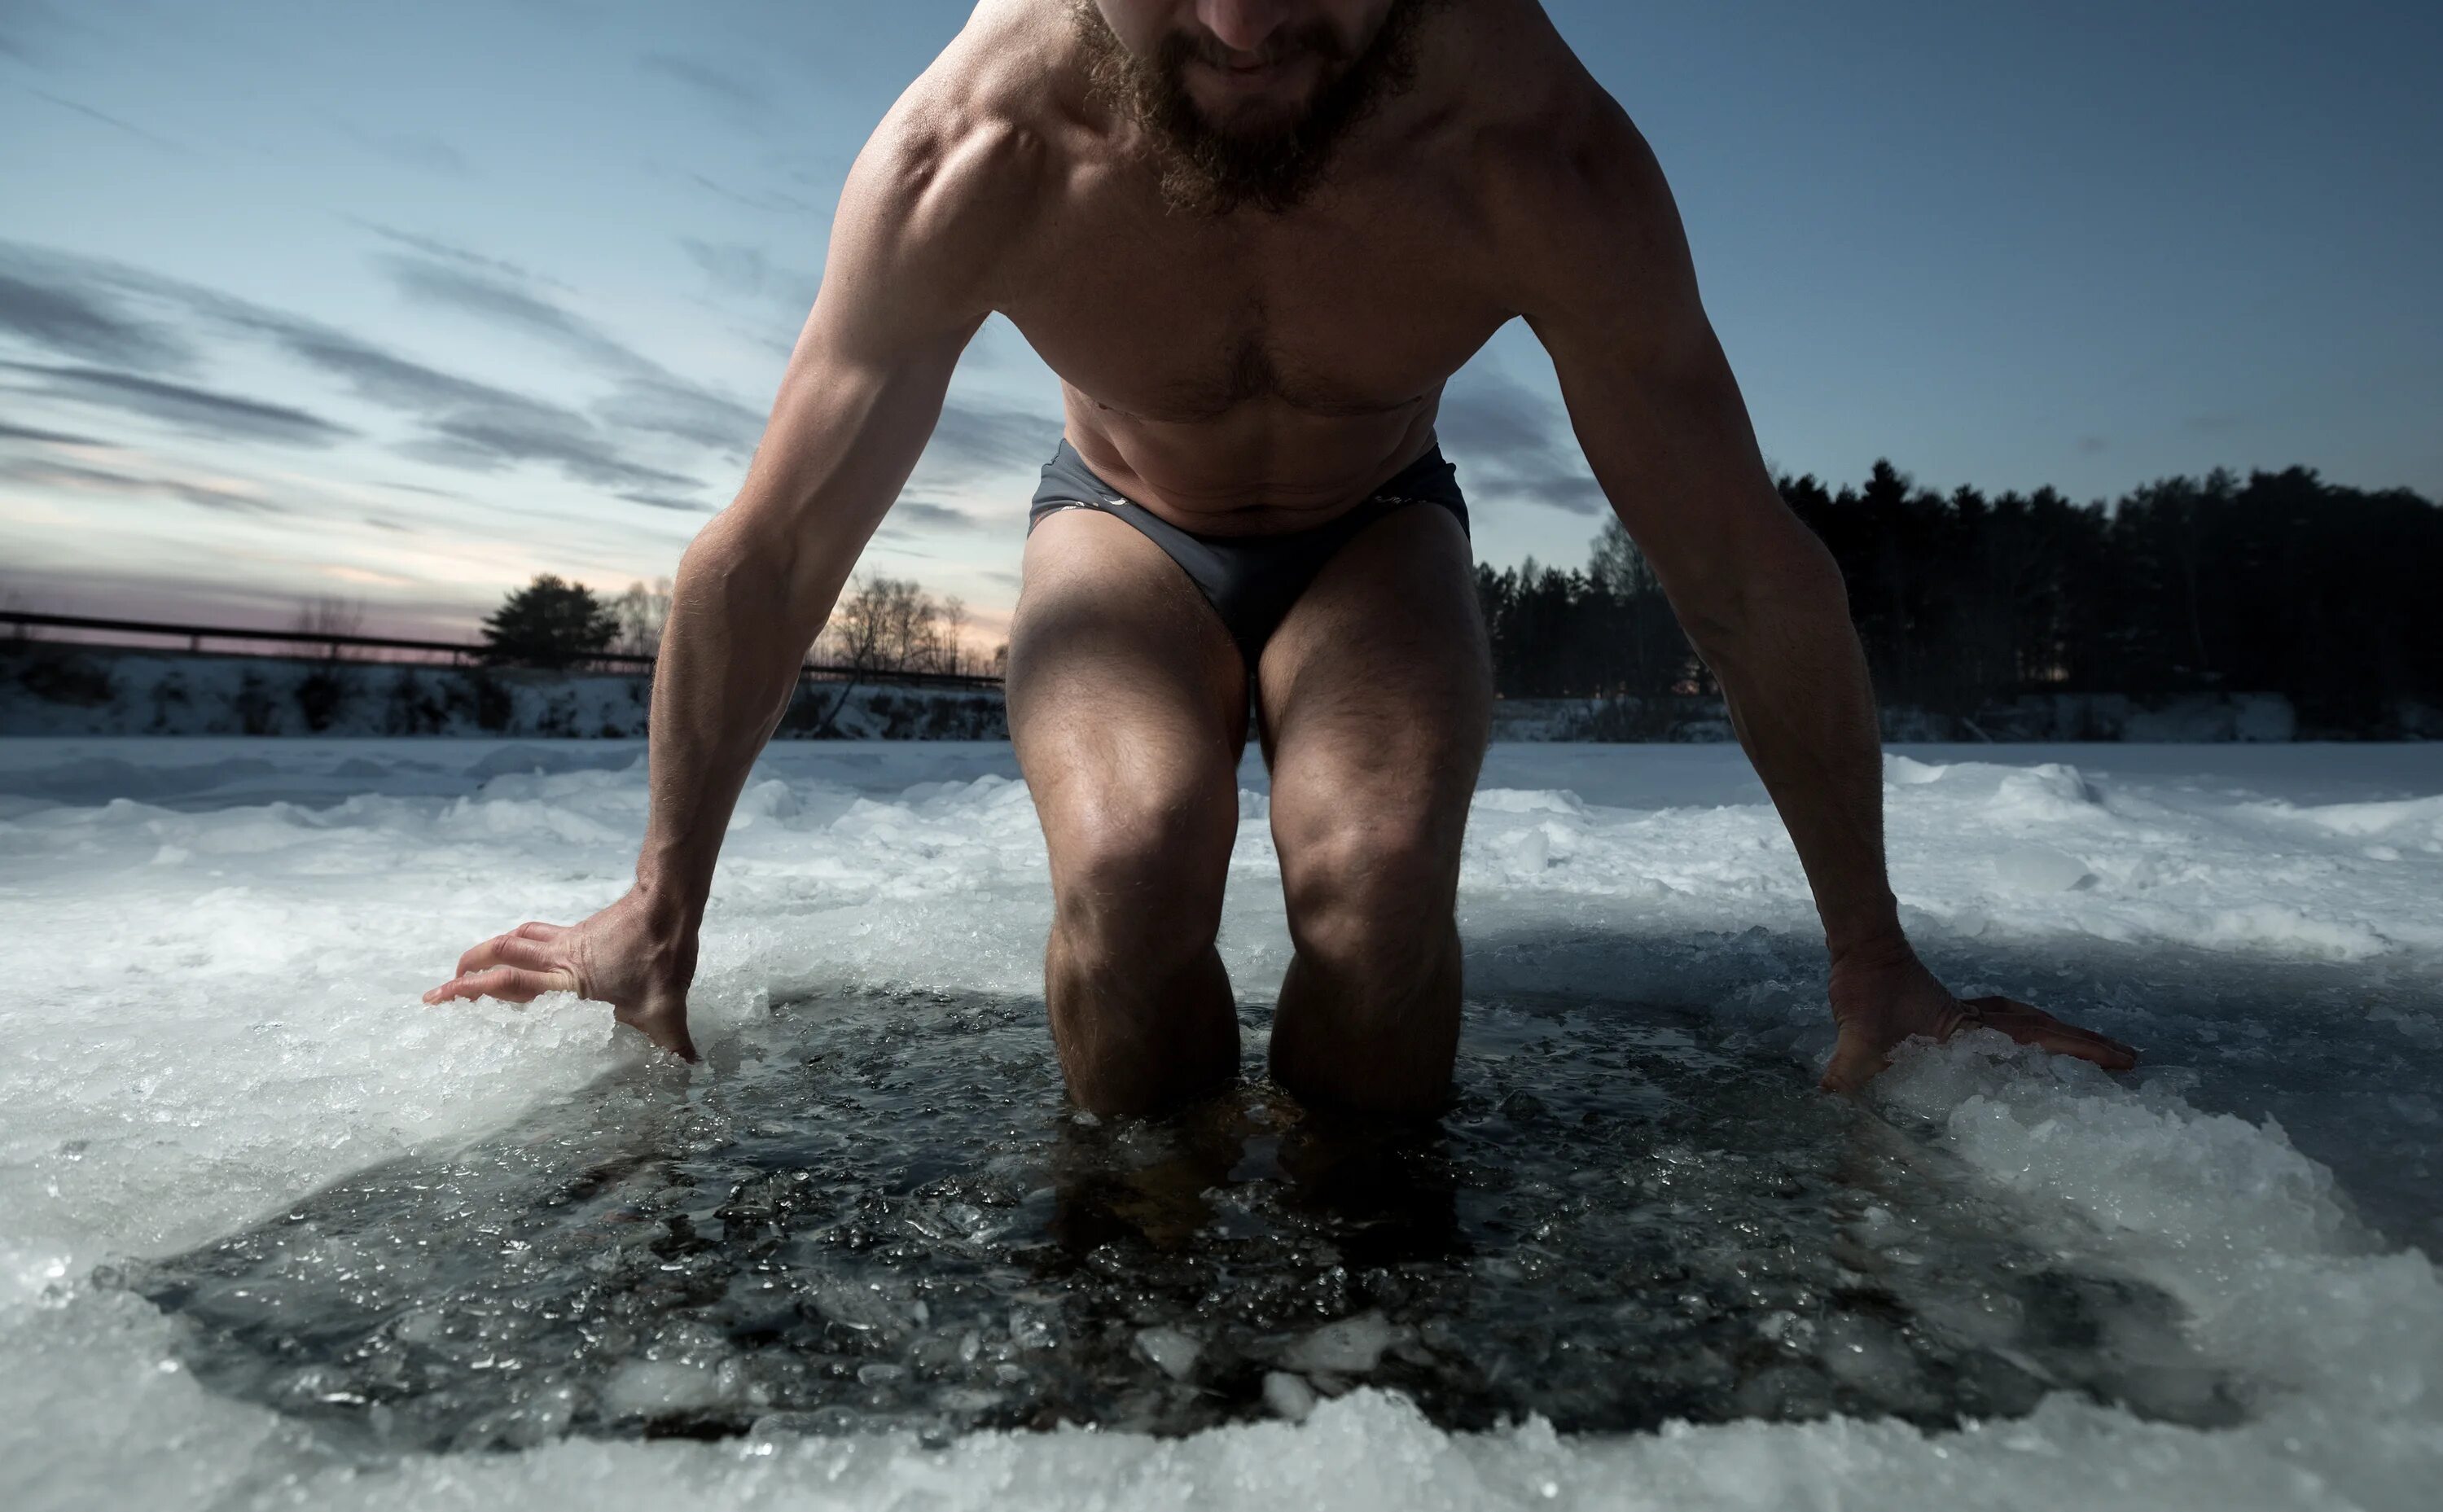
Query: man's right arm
<point>906,281</point>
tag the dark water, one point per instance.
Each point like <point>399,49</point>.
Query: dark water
<point>874,1212</point>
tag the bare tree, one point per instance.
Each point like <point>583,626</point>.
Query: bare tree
<point>954,633</point>
<point>14,602</point>
<point>642,611</point>
<point>857,637</point>
<point>319,619</point>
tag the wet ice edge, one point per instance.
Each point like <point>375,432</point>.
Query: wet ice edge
<point>211,1011</point>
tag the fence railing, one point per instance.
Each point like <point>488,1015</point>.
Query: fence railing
<point>307,643</point>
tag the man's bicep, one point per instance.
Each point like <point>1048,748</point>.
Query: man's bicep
<point>1667,435</point>
<point>905,286</point>
<point>1650,395</point>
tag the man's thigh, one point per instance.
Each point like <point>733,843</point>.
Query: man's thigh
<point>1128,702</point>
<point>1376,696</point>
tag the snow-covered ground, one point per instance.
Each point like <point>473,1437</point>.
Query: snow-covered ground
<point>59,690</point>
<point>213,948</point>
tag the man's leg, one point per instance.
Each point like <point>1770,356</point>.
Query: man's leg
<point>1128,704</point>
<point>1377,695</point>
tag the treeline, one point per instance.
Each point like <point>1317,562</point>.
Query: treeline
<point>880,625</point>
<point>2279,582</point>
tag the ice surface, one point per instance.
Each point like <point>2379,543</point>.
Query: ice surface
<point>213,949</point>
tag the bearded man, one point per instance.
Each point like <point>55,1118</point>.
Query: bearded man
<point>1254,238</point>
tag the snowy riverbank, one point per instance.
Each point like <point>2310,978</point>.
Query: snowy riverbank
<point>215,948</point>
<point>64,690</point>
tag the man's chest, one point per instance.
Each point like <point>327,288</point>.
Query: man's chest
<point>1361,310</point>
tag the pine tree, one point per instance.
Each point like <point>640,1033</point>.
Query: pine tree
<point>549,622</point>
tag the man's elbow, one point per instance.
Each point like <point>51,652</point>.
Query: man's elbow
<point>736,565</point>
<point>1789,579</point>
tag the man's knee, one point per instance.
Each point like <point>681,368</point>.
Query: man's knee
<point>1139,874</point>
<point>1371,888</point>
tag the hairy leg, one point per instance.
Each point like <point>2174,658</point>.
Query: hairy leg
<point>1377,699</point>
<point>1128,706</point>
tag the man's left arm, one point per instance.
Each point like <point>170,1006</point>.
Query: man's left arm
<point>1604,281</point>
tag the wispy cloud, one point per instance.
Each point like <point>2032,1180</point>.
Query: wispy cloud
<point>738,269</point>
<point>201,410</point>
<point>933,516</point>
<point>742,97</point>
<point>415,149</point>
<point>77,476</point>
<point>105,116</point>
<point>28,28</point>
<point>774,202</point>
<point>451,252</point>
<point>16,432</point>
<point>80,307</point>
<point>971,440</point>
<point>650,396</point>
<point>687,506</point>
<point>43,300</point>
<point>504,301</point>
<point>670,407</point>
<point>1510,444</point>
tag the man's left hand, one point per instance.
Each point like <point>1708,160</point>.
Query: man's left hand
<point>1880,999</point>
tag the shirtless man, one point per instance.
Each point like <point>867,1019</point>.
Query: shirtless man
<point>1254,238</point>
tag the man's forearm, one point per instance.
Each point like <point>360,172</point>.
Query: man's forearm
<point>726,671</point>
<point>1794,678</point>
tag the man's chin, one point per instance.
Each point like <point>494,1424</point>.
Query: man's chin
<point>1251,112</point>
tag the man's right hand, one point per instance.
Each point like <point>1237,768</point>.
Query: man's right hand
<point>625,955</point>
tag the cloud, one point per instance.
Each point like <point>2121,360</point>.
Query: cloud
<point>451,252</point>
<point>468,424</point>
<point>26,27</point>
<point>747,100</point>
<point>71,474</point>
<point>736,267</point>
<point>969,440</point>
<point>41,305</point>
<point>79,307</point>
<point>940,517</point>
<point>650,398</point>
<point>775,202</point>
<point>15,432</point>
<point>111,121</point>
<point>661,501</point>
<point>487,440</point>
<point>415,149</point>
<point>672,407</point>
<point>499,300</point>
<point>201,410</point>
<point>1510,444</point>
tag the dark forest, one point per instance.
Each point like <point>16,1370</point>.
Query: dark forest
<point>2278,582</point>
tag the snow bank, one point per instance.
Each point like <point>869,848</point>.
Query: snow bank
<point>64,690</point>
<point>215,947</point>
<point>2187,719</point>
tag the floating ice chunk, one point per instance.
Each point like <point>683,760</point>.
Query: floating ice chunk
<point>647,1387</point>
<point>1908,771</point>
<point>1172,1351</point>
<point>1348,1347</point>
<point>1288,1396</point>
<point>2028,867</point>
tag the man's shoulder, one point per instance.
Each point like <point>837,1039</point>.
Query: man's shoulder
<point>1536,126</point>
<point>1561,178</point>
<point>972,146</point>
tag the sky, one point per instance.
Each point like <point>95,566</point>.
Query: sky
<point>404,305</point>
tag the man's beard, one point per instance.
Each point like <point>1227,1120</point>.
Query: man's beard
<point>1207,169</point>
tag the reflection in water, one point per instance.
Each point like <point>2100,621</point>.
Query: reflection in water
<point>875,1212</point>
